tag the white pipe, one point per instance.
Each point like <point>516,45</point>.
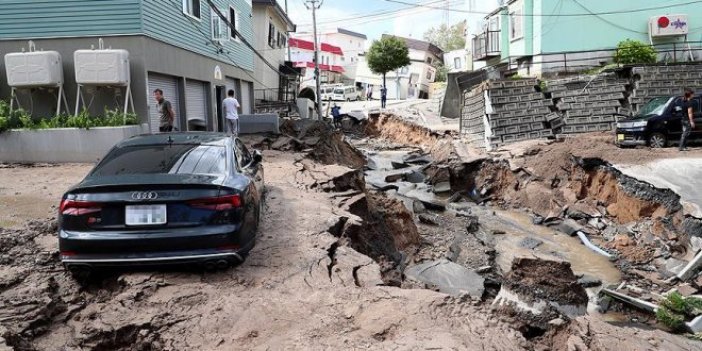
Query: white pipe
<point>592,246</point>
<point>631,300</point>
<point>686,272</point>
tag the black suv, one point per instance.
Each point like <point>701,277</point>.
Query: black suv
<point>657,124</point>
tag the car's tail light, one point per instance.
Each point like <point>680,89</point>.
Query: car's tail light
<point>78,208</point>
<point>220,203</point>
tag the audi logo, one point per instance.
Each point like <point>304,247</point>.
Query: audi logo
<point>144,195</point>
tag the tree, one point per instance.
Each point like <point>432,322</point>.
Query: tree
<point>631,52</point>
<point>387,54</point>
<point>441,72</point>
<point>448,38</point>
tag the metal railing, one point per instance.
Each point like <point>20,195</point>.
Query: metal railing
<point>274,95</point>
<point>486,45</point>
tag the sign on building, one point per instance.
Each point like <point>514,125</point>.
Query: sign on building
<point>669,25</point>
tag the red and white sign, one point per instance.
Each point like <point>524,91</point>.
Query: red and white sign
<point>669,25</point>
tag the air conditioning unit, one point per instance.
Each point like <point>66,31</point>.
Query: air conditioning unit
<point>669,25</point>
<point>34,69</point>
<point>102,67</point>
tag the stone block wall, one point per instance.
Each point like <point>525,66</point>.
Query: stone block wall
<point>657,81</point>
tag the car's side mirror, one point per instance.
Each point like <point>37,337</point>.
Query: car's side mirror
<point>257,156</point>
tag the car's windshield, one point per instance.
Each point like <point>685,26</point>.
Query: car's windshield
<point>163,159</point>
<point>338,91</point>
<point>655,107</point>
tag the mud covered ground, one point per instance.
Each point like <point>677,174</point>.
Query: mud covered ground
<point>304,286</point>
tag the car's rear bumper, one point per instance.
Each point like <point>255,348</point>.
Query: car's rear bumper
<point>155,247</point>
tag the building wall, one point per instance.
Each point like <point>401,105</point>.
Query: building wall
<point>165,21</point>
<point>169,62</point>
<point>450,58</point>
<point>267,78</point>
<point>19,19</point>
<point>605,31</point>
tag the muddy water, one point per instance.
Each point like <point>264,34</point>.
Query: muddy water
<point>556,245</point>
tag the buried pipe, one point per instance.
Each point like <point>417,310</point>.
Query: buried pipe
<point>686,272</point>
<point>593,247</point>
<point>645,305</point>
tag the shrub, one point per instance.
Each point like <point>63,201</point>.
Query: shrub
<point>631,52</point>
<point>676,309</point>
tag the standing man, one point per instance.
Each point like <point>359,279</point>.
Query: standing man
<point>383,96</point>
<point>685,110</point>
<point>231,106</point>
<point>336,115</point>
<point>165,112</point>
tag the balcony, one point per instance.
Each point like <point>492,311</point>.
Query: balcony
<point>486,45</point>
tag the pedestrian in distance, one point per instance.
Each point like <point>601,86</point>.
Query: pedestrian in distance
<point>369,96</point>
<point>166,115</point>
<point>230,107</point>
<point>336,115</point>
<point>383,97</point>
<point>684,109</point>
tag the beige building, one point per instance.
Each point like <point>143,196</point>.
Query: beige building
<point>272,28</point>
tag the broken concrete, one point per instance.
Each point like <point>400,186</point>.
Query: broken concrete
<point>448,277</point>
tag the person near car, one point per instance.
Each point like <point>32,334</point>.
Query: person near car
<point>231,106</point>
<point>336,114</point>
<point>685,111</point>
<point>383,97</point>
<point>166,114</point>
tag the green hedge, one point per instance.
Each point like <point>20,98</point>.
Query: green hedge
<point>19,119</point>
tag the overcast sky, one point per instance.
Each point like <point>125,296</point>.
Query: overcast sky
<point>406,21</point>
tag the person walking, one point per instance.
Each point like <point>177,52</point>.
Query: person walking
<point>336,115</point>
<point>684,109</point>
<point>231,106</point>
<point>383,97</point>
<point>369,96</point>
<point>166,115</point>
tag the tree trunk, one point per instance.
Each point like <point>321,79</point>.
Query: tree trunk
<point>384,85</point>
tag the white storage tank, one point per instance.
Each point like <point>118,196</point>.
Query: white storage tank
<point>34,69</point>
<point>102,67</point>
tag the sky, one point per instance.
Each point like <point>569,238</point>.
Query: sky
<point>377,17</point>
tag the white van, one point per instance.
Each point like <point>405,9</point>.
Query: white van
<point>326,92</point>
<point>347,93</point>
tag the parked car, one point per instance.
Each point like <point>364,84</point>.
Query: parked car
<point>348,93</point>
<point>163,199</point>
<point>656,124</point>
<point>327,92</point>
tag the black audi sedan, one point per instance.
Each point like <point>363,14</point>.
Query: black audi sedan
<point>162,199</point>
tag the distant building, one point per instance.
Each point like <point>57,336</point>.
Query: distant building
<point>352,45</point>
<point>272,28</point>
<point>330,58</point>
<point>181,47</point>
<point>409,82</point>
<point>458,61</point>
<point>516,41</point>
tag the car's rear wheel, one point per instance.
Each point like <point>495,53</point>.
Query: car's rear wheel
<point>657,140</point>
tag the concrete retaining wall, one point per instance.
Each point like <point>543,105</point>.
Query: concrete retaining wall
<point>63,145</point>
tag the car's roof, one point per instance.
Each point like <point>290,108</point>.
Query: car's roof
<point>198,138</point>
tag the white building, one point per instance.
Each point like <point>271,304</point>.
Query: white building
<point>271,27</point>
<point>330,58</point>
<point>409,82</point>
<point>352,44</point>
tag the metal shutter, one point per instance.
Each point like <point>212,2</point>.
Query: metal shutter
<point>196,104</point>
<point>231,84</point>
<point>169,85</point>
<point>245,98</point>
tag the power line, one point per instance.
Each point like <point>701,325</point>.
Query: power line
<point>553,15</point>
<point>608,21</point>
<point>382,14</point>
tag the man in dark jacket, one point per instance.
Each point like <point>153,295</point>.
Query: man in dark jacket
<point>684,109</point>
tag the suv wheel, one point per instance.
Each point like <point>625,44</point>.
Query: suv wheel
<point>657,141</point>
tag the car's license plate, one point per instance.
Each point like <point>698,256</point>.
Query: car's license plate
<point>145,215</point>
<point>620,137</point>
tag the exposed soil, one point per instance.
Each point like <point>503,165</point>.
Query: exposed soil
<point>331,254</point>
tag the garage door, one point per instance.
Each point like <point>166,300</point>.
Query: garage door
<point>245,98</point>
<point>169,86</point>
<point>233,84</point>
<point>196,105</point>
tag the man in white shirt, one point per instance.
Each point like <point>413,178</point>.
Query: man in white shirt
<point>230,107</point>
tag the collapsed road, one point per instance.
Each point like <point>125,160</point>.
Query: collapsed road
<point>396,240</point>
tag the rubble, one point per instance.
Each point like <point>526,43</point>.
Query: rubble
<point>447,277</point>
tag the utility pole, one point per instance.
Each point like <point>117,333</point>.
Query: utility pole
<point>314,5</point>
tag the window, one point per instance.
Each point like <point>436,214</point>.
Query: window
<point>163,159</point>
<point>192,8</point>
<point>282,39</point>
<point>243,156</point>
<point>219,28</point>
<point>429,60</point>
<point>457,63</point>
<point>271,35</point>
<point>404,70</point>
<point>234,19</point>
<point>516,24</point>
